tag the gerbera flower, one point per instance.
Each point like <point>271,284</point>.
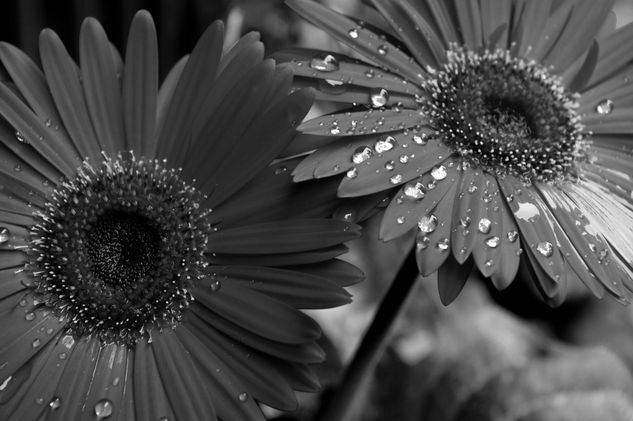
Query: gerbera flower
<point>502,130</point>
<point>151,269</point>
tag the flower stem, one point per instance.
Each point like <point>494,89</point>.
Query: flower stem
<point>360,370</point>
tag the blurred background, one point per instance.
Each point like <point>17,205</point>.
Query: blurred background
<point>488,356</point>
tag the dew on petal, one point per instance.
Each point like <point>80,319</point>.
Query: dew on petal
<point>403,159</point>
<point>362,154</point>
<point>215,285</point>
<point>489,263</point>
<point>378,97</point>
<point>545,248</point>
<point>5,235</point>
<point>421,139</point>
<point>472,189</point>
<point>464,222</point>
<point>390,165</point>
<point>324,63</point>
<point>383,49</point>
<point>55,403</point>
<point>512,236</point>
<point>414,190</point>
<point>443,244</point>
<point>36,343</point>
<point>384,145</point>
<point>17,167</point>
<point>439,172</point>
<point>29,316</point>
<point>242,397</point>
<point>353,173</point>
<point>401,220</point>
<point>353,33</point>
<point>335,130</point>
<point>280,169</point>
<point>5,383</point>
<point>396,179</point>
<point>605,107</point>
<point>369,73</point>
<point>68,341</point>
<point>104,408</point>
<point>492,242</point>
<point>21,138</point>
<point>423,243</point>
<point>484,225</point>
<point>427,223</point>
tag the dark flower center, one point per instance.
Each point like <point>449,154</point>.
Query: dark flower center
<point>118,248</point>
<point>506,115</point>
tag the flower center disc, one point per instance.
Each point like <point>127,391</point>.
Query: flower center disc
<point>506,115</point>
<point>118,248</point>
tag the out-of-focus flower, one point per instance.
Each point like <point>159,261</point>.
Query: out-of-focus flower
<point>152,264</point>
<point>502,129</point>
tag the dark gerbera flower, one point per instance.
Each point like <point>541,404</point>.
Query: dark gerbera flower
<point>501,129</point>
<point>149,268</point>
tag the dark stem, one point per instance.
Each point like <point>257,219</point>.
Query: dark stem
<point>361,368</point>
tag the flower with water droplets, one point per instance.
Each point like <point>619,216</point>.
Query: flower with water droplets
<point>153,264</point>
<point>518,115</point>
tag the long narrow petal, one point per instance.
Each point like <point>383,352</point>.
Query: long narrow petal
<point>152,402</point>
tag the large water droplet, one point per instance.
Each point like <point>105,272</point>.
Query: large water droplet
<point>362,154</point>
<point>353,33</point>
<point>492,242</point>
<point>324,63</point>
<point>427,223</point>
<point>605,107</point>
<point>484,225</point>
<point>5,235</point>
<point>439,172</point>
<point>545,248</point>
<point>386,144</point>
<point>55,403</point>
<point>414,190</point>
<point>104,408</point>
<point>378,97</point>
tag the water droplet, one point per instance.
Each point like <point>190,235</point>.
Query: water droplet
<point>115,381</point>
<point>324,63</point>
<point>421,139</point>
<point>545,248</point>
<point>68,341</point>
<point>396,179</point>
<point>386,144</point>
<point>427,223</point>
<point>489,263</point>
<point>383,49</point>
<point>464,222</point>
<point>472,188</point>
<point>401,220</point>
<point>390,165</point>
<point>403,159</point>
<point>280,169</point>
<point>335,130</point>
<point>379,97</point>
<point>423,243</point>
<point>414,190</point>
<point>21,138</point>
<point>17,167</point>
<point>39,401</point>
<point>443,244</point>
<point>55,403</point>
<point>36,343</point>
<point>104,408</point>
<point>5,383</point>
<point>215,285</point>
<point>362,154</point>
<point>605,107</point>
<point>492,242</point>
<point>353,173</point>
<point>48,122</point>
<point>62,355</point>
<point>353,33</point>
<point>484,225</point>
<point>512,236</point>
<point>5,235</point>
<point>439,173</point>
<point>369,73</point>
<point>29,316</point>
<point>242,397</point>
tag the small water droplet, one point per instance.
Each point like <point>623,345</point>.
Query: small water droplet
<point>104,408</point>
<point>353,33</point>
<point>484,225</point>
<point>545,248</point>
<point>396,179</point>
<point>115,381</point>
<point>489,263</point>
<point>215,285</point>
<point>369,73</point>
<point>427,223</point>
<point>21,138</point>
<point>443,244</point>
<point>492,242</point>
<point>401,220</point>
<point>324,63</point>
<point>386,144</point>
<point>62,355</point>
<point>362,154</point>
<point>414,190</point>
<point>423,243</point>
<point>17,167</point>
<point>472,188</point>
<point>378,97</point>
<point>48,122</point>
<point>464,222</point>
<point>30,316</point>
<point>390,165</point>
<point>335,130</point>
<point>512,236</point>
<point>421,139</point>
<point>39,401</point>
<point>280,169</point>
<point>55,403</point>
<point>36,343</point>
<point>68,341</point>
<point>403,159</point>
<point>383,49</point>
<point>5,235</point>
<point>353,173</point>
<point>242,397</point>
<point>605,107</point>
<point>439,172</point>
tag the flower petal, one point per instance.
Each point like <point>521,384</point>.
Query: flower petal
<point>614,54</point>
<point>466,213</point>
<point>101,86</point>
<point>507,264</point>
<point>282,259</point>
<point>617,121</point>
<point>452,277</point>
<point>140,84</point>
<point>495,14</point>
<point>529,24</point>
<point>152,402</point>
<point>489,227</point>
